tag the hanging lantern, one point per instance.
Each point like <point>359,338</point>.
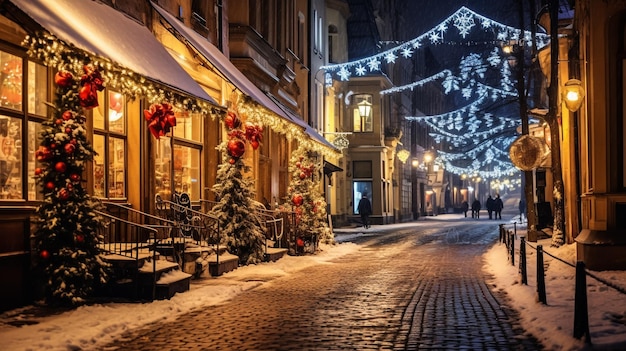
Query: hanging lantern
<point>573,94</point>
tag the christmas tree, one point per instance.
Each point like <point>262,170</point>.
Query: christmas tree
<point>241,227</point>
<point>66,239</point>
<point>307,202</point>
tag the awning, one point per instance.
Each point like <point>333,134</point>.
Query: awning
<point>105,32</point>
<point>330,168</point>
<point>231,73</point>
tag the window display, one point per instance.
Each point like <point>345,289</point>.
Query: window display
<point>163,167</point>
<point>10,81</point>
<point>10,158</point>
<point>187,171</point>
<point>37,89</point>
<point>34,133</point>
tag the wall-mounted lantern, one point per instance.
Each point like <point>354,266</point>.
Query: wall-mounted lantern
<point>573,94</point>
<point>365,108</point>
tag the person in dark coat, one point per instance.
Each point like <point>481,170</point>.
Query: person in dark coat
<point>465,207</point>
<point>498,205</point>
<point>476,209</point>
<point>490,204</point>
<point>522,209</point>
<point>365,210</point>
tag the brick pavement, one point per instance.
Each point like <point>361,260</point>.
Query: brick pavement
<point>403,291</point>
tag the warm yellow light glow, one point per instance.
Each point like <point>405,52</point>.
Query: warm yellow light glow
<point>365,108</point>
<point>573,94</point>
<point>415,163</point>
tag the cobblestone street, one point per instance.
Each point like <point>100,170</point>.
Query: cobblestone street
<point>405,290</point>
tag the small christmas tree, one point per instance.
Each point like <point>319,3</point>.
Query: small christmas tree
<point>241,227</point>
<point>66,240</point>
<point>307,201</point>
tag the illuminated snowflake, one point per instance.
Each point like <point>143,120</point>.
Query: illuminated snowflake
<point>503,36</point>
<point>373,64</point>
<point>486,23</point>
<point>434,38</point>
<point>416,44</point>
<point>464,23</point>
<point>390,57</point>
<point>407,52</point>
<point>360,71</point>
<point>344,74</point>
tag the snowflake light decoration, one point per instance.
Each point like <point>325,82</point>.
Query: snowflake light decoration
<point>464,23</point>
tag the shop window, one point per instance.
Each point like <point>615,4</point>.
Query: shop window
<point>34,138</point>
<point>187,171</point>
<point>162,156</point>
<point>109,142</point>
<point>10,158</point>
<point>360,188</point>
<point>37,89</point>
<point>10,81</point>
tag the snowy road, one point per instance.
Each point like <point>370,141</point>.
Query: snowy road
<point>409,288</point>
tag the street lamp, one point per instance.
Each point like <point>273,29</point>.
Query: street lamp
<point>365,108</point>
<point>573,94</point>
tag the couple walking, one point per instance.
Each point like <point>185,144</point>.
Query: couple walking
<point>494,207</point>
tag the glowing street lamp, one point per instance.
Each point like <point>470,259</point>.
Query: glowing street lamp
<point>573,94</point>
<point>365,108</point>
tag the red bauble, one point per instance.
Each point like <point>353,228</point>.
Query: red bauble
<point>298,164</point>
<point>53,146</point>
<point>69,148</point>
<point>60,167</point>
<point>300,242</point>
<point>302,175</point>
<point>255,144</point>
<point>64,194</point>
<point>44,254</point>
<point>38,171</point>
<point>67,115</point>
<point>73,142</point>
<point>68,130</point>
<point>80,238</point>
<point>297,200</point>
<point>58,121</point>
<point>50,185</point>
<point>232,121</point>
<point>232,161</point>
<point>236,147</point>
<point>64,79</point>
<point>75,177</point>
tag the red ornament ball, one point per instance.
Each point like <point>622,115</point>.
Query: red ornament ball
<point>300,242</point>
<point>297,200</point>
<point>58,121</point>
<point>236,148</point>
<point>60,167</point>
<point>67,115</point>
<point>50,185</point>
<point>64,194</point>
<point>255,144</point>
<point>68,130</point>
<point>73,142</point>
<point>75,177</point>
<point>63,79</point>
<point>70,148</point>
<point>232,161</point>
<point>80,238</point>
<point>44,254</point>
<point>302,175</point>
<point>38,171</point>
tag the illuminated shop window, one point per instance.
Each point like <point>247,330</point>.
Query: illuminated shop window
<point>109,142</point>
<point>10,81</point>
<point>10,158</point>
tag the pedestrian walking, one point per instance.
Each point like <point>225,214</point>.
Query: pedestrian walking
<point>476,209</point>
<point>365,210</point>
<point>465,207</point>
<point>490,204</point>
<point>522,209</point>
<point>498,205</point>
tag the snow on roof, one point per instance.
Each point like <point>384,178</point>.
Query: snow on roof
<point>103,31</point>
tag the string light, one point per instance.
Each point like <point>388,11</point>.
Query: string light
<point>464,20</point>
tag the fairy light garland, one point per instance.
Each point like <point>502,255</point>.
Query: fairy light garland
<point>55,53</point>
<point>464,20</point>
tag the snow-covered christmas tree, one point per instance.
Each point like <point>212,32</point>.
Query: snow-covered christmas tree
<point>66,240</point>
<point>307,201</point>
<point>241,227</point>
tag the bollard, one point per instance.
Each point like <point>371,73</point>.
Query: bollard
<point>501,232</point>
<point>515,228</point>
<point>512,240</point>
<point>541,279</point>
<point>581,316</point>
<point>522,260</point>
